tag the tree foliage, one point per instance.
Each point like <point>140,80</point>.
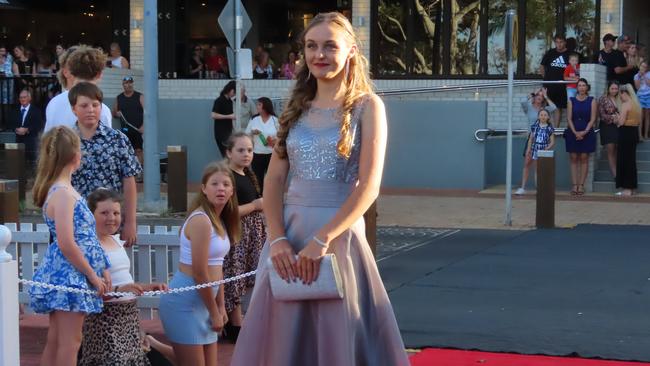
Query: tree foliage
<point>424,52</point>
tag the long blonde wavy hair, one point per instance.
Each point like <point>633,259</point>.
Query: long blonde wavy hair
<point>59,147</point>
<point>357,82</point>
<point>634,100</point>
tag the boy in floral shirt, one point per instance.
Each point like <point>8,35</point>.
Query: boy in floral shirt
<point>108,159</point>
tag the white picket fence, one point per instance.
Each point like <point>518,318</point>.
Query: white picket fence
<point>153,259</point>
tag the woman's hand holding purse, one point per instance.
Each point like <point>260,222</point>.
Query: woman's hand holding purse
<point>284,260</point>
<point>309,262</point>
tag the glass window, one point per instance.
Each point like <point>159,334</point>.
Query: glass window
<point>465,36</point>
<point>276,26</point>
<point>427,42</point>
<point>540,28</point>
<point>418,37</point>
<point>496,51</point>
<point>392,27</point>
<point>580,20</point>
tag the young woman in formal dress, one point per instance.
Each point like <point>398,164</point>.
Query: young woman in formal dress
<point>332,142</point>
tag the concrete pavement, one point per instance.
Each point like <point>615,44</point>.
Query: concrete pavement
<point>486,210</point>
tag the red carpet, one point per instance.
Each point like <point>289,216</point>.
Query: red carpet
<point>446,357</point>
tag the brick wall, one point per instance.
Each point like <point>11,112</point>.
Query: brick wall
<point>136,35</point>
<point>111,83</point>
<point>361,23</point>
<point>611,9</point>
<point>496,98</point>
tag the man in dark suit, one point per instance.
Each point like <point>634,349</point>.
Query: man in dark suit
<point>28,121</point>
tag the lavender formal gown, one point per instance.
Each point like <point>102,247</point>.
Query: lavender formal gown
<point>361,328</point>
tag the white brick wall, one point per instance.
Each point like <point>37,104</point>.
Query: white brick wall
<point>597,77</point>
<point>209,89</point>
<point>613,8</point>
<point>361,10</point>
<point>136,35</point>
<point>111,83</point>
<point>496,98</point>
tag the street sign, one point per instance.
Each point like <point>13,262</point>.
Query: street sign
<point>245,65</point>
<point>228,21</point>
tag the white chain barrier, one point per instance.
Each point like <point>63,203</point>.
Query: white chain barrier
<point>145,293</point>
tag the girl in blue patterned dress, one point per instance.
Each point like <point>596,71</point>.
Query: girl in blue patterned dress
<point>541,138</point>
<point>75,257</point>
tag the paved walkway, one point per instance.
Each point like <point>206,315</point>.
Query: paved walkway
<point>469,210</point>
<point>486,210</point>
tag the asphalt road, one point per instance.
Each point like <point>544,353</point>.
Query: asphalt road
<point>583,291</point>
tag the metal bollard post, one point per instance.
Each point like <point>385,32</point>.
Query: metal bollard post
<point>545,211</point>
<point>9,313</point>
<point>177,178</point>
<point>370,218</point>
<point>9,203</point>
<point>16,167</point>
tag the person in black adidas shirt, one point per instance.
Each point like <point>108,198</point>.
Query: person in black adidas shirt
<point>552,68</point>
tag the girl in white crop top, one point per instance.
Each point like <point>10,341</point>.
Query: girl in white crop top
<point>217,250</point>
<point>119,319</point>
<point>204,240</point>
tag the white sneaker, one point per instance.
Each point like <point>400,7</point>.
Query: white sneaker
<point>520,191</point>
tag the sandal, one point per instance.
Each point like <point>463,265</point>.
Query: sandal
<point>580,191</point>
<point>574,191</point>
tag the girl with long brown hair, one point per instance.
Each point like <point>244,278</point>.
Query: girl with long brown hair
<point>193,319</point>
<point>75,257</point>
<point>243,257</point>
<point>335,174</point>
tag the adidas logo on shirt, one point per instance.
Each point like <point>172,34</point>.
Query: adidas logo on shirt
<point>559,62</point>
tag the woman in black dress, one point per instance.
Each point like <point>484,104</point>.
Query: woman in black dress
<point>628,137</point>
<point>579,137</point>
<point>26,65</point>
<point>222,113</point>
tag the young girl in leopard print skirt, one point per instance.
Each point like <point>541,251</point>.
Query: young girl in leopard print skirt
<point>243,256</point>
<point>112,337</point>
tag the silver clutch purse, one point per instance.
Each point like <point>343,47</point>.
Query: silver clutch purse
<point>328,285</point>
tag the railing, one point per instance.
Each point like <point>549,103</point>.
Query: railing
<point>464,87</point>
<point>483,133</point>
<point>153,259</point>
<point>447,88</point>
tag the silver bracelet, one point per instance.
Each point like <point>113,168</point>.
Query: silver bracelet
<point>320,242</point>
<point>277,240</point>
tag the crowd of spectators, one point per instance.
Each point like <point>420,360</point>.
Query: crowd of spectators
<point>209,62</point>
<point>23,60</point>
<point>621,115</point>
<point>31,80</point>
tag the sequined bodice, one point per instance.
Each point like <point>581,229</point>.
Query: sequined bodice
<point>311,147</point>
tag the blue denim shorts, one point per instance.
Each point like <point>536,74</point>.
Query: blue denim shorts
<point>184,316</point>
